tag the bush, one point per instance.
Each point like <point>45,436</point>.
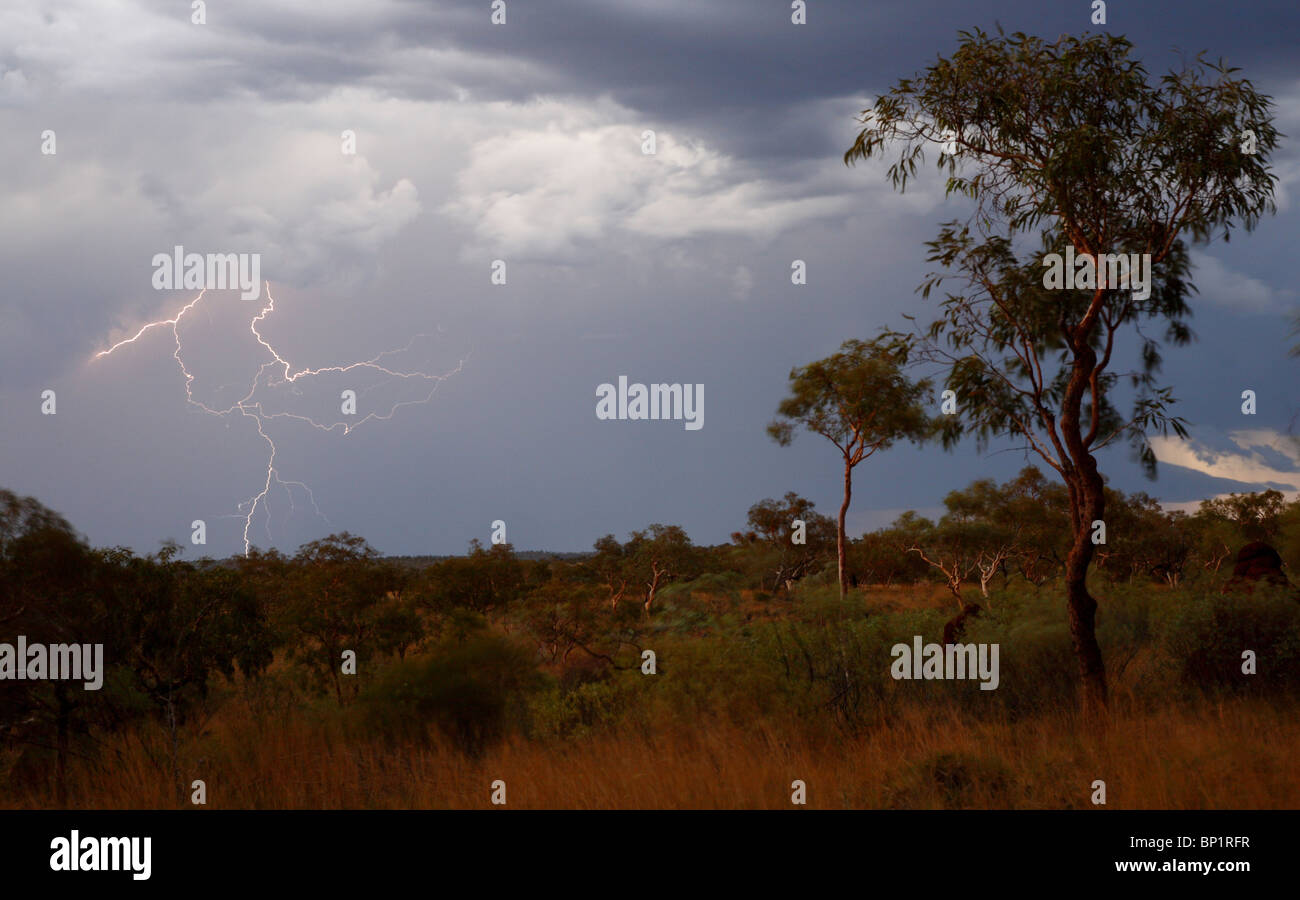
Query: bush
<point>577,711</point>
<point>1037,668</point>
<point>718,584</point>
<point>1203,640</point>
<point>471,692</point>
<point>1125,618</point>
<point>840,666</point>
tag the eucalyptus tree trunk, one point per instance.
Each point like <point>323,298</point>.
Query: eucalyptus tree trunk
<point>1087,505</point>
<point>844,508</point>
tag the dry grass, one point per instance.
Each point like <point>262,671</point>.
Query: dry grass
<point>1236,754</point>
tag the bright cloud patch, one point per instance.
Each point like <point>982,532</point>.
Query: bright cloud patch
<point>1246,465</point>
<point>549,192</point>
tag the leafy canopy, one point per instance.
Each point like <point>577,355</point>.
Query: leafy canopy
<point>858,398</point>
<point>1070,140</point>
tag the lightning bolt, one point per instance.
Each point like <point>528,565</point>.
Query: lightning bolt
<point>278,371</point>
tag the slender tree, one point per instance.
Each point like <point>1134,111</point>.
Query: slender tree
<point>860,400</point>
<point>1071,141</point>
<point>658,555</point>
<point>771,525</point>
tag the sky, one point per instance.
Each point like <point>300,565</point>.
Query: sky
<point>523,143</point>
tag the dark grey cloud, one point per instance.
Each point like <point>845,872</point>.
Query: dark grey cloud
<point>520,142</point>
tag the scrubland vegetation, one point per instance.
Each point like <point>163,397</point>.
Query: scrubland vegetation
<point>488,666</point>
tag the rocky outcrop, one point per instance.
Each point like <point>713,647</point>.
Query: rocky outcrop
<point>1258,563</point>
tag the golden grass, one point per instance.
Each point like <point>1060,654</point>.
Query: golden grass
<point>1235,754</point>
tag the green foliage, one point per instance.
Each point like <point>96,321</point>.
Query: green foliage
<point>836,668</point>
<point>775,561</point>
<point>1257,517</point>
<point>858,399</point>
<point>181,624</point>
<point>1037,665</point>
<point>471,692</point>
<point>560,659</point>
<point>166,627</point>
<point>1204,637</point>
<point>1072,140</point>
<point>715,584</point>
<point>1127,621</point>
<point>333,600</point>
<point>651,559</point>
<point>485,580</point>
<point>876,558</point>
<point>577,711</point>
<point>1062,128</point>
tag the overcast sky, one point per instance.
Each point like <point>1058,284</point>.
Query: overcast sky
<point>521,142</point>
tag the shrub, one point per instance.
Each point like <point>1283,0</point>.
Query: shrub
<point>470,691</point>
<point>1037,669</point>
<point>720,584</point>
<point>1203,640</point>
<point>575,712</point>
